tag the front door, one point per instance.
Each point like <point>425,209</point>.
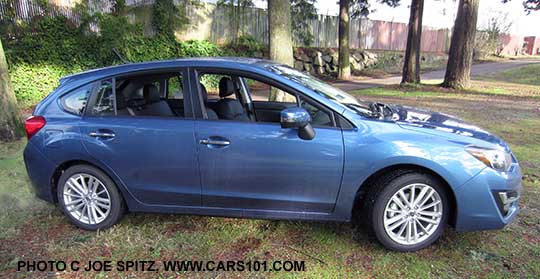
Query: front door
<point>262,166</point>
<point>250,162</point>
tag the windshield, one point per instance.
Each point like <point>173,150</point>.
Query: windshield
<point>324,89</point>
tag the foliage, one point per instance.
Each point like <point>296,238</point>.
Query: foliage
<point>247,46</point>
<point>488,41</point>
<point>301,12</point>
<point>195,48</point>
<point>32,82</point>
<point>49,47</point>
<point>119,8</point>
<point>236,14</point>
<point>362,8</point>
<point>167,17</point>
<point>529,5</point>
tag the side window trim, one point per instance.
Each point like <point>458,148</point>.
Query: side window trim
<point>114,96</point>
<point>94,95</point>
<point>244,74</point>
<point>61,101</point>
<point>186,85</point>
<point>329,112</point>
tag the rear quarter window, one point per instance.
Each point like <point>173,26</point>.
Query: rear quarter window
<point>75,101</point>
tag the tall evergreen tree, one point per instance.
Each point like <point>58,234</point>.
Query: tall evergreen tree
<point>348,9</point>
<point>344,69</point>
<point>460,56</point>
<point>411,65</point>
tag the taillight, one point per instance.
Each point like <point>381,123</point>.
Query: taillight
<point>33,124</point>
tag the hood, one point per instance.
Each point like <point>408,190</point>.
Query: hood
<point>440,122</point>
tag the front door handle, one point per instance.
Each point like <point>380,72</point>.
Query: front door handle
<point>102,134</point>
<point>211,141</point>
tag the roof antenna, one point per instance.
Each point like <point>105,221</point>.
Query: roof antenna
<point>119,56</point>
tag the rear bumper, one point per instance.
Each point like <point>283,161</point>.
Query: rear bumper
<point>481,203</point>
<point>40,171</point>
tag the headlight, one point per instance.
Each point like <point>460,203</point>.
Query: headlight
<point>493,158</point>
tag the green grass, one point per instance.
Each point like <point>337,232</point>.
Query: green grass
<point>32,229</point>
<point>523,75</point>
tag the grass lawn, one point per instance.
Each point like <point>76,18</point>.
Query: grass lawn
<point>33,230</point>
<point>524,75</point>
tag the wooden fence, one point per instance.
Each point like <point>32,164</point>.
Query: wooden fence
<point>215,23</point>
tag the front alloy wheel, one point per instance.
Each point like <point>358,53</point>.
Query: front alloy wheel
<point>89,198</point>
<point>413,214</point>
<point>407,210</point>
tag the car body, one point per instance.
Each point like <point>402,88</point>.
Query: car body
<point>194,164</point>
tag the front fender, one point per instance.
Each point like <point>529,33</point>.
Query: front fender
<point>373,148</point>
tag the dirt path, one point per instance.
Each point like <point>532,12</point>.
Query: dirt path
<point>477,70</point>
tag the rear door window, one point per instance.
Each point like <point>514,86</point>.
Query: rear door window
<point>104,102</point>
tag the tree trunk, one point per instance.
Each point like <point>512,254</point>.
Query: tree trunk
<point>279,23</point>
<point>344,67</point>
<point>280,38</point>
<point>238,20</point>
<point>11,127</point>
<point>411,66</point>
<point>458,70</point>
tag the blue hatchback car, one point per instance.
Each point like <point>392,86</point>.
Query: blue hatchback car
<point>252,138</point>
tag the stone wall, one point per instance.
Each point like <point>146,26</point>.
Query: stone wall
<point>324,61</point>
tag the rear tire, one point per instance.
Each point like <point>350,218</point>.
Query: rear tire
<point>406,210</point>
<point>89,198</point>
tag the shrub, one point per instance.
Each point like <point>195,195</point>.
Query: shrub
<point>247,46</point>
<point>50,47</point>
<point>31,83</point>
<point>195,48</point>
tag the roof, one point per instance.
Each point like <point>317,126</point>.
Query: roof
<point>182,62</point>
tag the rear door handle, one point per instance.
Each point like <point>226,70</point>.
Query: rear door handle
<point>102,134</point>
<point>219,142</point>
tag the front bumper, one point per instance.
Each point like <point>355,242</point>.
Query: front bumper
<point>489,200</point>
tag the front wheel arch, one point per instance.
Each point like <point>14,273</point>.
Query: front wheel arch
<point>356,212</point>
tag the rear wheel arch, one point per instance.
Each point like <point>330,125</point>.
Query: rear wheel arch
<point>400,169</point>
<point>66,165</point>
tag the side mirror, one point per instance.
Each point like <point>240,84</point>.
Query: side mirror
<point>298,118</point>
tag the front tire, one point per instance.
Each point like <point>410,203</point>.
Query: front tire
<point>89,198</point>
<point>407,211</point>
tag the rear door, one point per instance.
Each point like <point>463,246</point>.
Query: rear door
<point>154,156</point>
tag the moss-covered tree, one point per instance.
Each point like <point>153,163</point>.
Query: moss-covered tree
<point>11,127</point>
<point>280,38</point>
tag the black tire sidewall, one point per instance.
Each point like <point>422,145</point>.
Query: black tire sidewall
<point>117,205</point>
<point>389,190</point>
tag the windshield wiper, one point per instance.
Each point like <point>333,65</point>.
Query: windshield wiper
<point>382,110</point>
<point>368,112</point>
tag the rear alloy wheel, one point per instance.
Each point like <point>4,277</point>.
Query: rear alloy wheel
<point>408,211</point>
<point>89,198</point>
